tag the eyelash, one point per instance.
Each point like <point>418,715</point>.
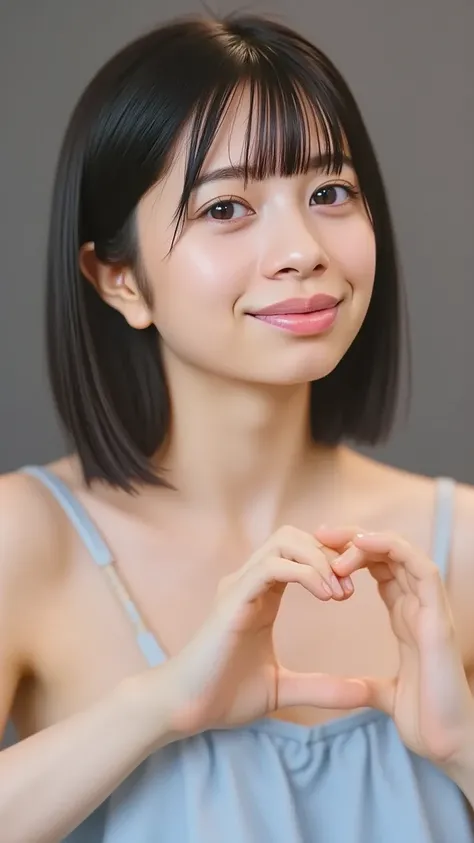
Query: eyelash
<point>223,200</point>
<point>352,192</point>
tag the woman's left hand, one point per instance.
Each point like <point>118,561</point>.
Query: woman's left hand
<point>429,699</point>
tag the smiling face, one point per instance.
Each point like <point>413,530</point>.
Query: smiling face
<point>248,245</point>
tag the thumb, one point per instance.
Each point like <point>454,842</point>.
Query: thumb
<point>381,694</point>
<point>322,691</point>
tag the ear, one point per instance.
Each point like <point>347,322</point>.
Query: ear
<point>117,286</point>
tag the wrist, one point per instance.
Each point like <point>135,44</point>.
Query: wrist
<point>461,768</point>
<point>148,710</point>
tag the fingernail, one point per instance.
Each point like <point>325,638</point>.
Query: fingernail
<point>336,586</point>
<point>327,588</point>
<point>347,585</point>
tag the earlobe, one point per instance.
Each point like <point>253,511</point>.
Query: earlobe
<point>116,286</point>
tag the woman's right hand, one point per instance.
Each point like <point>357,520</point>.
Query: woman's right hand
<point>229,674</point>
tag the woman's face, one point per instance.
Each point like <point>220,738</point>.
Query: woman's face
<point>248,247</point>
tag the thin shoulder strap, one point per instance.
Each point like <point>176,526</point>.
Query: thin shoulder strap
<point>101,555</point>
<point>76,513</point>
<point>443,523</point>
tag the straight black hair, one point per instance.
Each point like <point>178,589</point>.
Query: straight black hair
<point>107,378</point>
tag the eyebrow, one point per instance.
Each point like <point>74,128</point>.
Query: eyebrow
<point>240,173</point>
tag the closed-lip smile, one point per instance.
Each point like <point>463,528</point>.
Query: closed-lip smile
<point>305,317</point>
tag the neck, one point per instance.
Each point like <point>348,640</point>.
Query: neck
<point>242,451</point>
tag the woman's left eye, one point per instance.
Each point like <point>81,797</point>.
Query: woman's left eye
<point>333,194</point>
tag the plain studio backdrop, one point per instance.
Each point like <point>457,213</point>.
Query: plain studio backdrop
<point>411,69</point>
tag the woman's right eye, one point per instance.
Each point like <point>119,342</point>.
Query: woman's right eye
<point>226,209</point>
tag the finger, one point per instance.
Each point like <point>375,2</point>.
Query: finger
<point>353,558</point>
<point>343,587</point>
<point>322,690</point>
<point>337,538</point>
<point>398,550</point>
<point>275,570</point>
<point>302,547</point>
<point>298,546</point>
<point>413,570</point>
<point>381,694</point>
<point>379,565</point>
<point>389,593</point>
<point>386,544</point>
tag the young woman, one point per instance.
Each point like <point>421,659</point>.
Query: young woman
<point>223,316</point>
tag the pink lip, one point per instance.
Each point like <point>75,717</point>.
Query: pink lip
<point>304,324</point>
<point>314,304</point>
<point>304,317</point>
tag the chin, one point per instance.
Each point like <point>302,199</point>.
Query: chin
<point>294,376</point>
<point>312,366</point>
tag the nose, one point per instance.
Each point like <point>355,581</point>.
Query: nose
<point>292,249</point>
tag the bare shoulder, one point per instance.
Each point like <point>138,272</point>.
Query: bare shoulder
<point>30,520</point>
<point>396,499</point>
<point>407,503</point>
<point>33,538</point>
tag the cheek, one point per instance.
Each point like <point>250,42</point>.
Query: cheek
<point>215,266</point>
<point>206,273</point>
<point>202,276</point>
<point>354,250</point>
<point>195,290</point>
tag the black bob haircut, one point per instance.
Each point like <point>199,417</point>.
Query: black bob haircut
<point>107,378</point>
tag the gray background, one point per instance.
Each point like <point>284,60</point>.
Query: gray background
<point>408,64</point>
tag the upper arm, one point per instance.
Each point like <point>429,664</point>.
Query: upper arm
<point>461,574</point>
<point>29,535</point>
